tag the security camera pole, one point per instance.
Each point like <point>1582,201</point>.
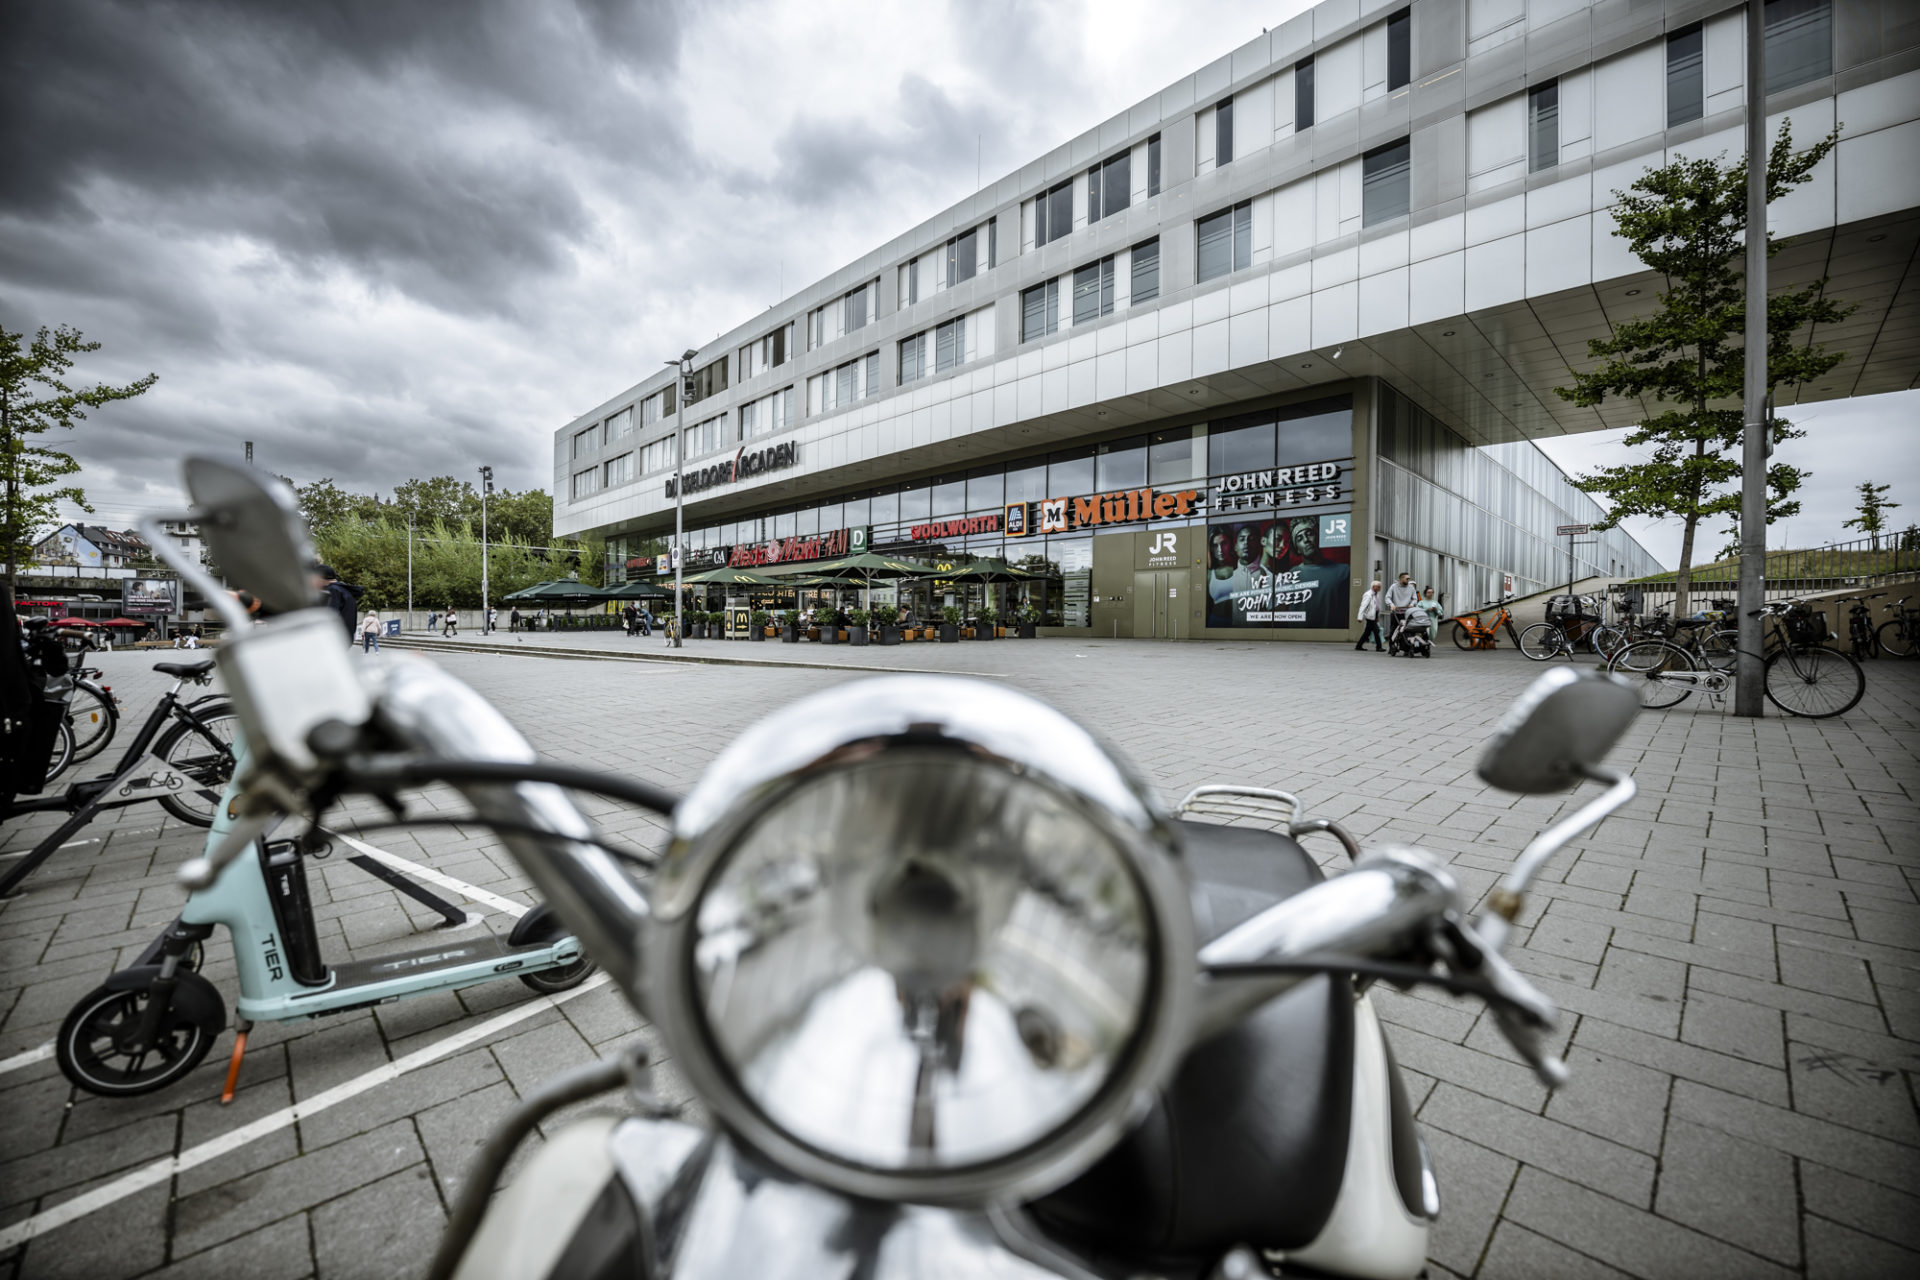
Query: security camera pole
<point>685,365</point>
<point>486,487</point>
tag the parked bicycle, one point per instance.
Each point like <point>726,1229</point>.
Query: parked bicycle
<point>183,757</point>
<point>1803,676</point>
<point>1900,638</point>
<point>93,716</point>
<point>1569,625</point>
<point>1860,627</point>
<point>1469,632</point>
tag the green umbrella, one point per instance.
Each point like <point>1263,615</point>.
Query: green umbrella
<point>735,578</point>
<point>563,591</point>
<point>638,590</point>
<point>868,565</point>
<point>986,571</point>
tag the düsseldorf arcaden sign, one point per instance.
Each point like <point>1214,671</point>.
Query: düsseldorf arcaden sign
<point>743,466</point>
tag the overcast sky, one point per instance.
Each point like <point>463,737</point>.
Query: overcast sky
<point>390,240</point>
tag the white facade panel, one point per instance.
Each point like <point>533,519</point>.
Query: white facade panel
<point>1630,97</point>
<point>1496,272</point>
<point>1383,302</point>
<point>1877,173</point>
<point>1558,255</point>
<point>1336,80</point>
<point>1497,143</point>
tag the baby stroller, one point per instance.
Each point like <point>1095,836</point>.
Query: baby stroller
<point>1410,634</point>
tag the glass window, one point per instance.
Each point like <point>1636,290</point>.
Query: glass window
<point>1799,42</point>
<point>1226,241</point>
<point>1027,484</point>
<point>854,513</point>
<point>872,386</point>
<point>806,522</point>
<point>1115,186</point>
<point>993,243</point>
<point>950,345</point>
<point>914,505</point>
<point>1223,132</point>
<point>1146,273</point>
<point>1686,84</point>
<point>783,525</point>
<point>845,380</point>
<point>1303,94</point>
<point>1074,556</point>
<point>1153,165</point>
<point>913,358</point>
<point>1070,472</point>
<point>1120,465</point>
<point>831,516</point>
<point>1053,214</point>
<point>1384,192</point>
<point>886,508</point>
<point>986,490</point>
<point>1543,127</point>
<point>1321,432</point>
<point>1170,456</point>
<point>949,498</point>
<point>1233,448</point>
<point>913,281</point>
<point>856,309</point>
<point>1039,310</point>
<point>1093,291</point>
<point>963,257</point>
<point>1399,50</point>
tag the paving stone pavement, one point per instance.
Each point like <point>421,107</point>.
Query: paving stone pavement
<point>1737,955</point>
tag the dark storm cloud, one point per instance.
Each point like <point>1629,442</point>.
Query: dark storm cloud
<point>406,142</point>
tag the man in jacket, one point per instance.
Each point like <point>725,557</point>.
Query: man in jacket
<point>1370,614</point>
<point>341,597</point>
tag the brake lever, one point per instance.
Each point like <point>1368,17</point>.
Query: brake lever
<point>1523,1013</point>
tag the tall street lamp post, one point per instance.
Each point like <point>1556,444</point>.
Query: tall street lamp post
<point>685,364</point>
<point>486,488</point>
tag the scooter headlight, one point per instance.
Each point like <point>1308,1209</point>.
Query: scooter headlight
<point>917,939</point>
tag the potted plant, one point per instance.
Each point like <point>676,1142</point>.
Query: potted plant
<point>887,618</point>
<point>688,625</point>
<point>949,625</point>
<point>762,624</point>
<point>1028,620</point>
<point>983,623</point>
<point>857,620</point>
<point>827,618</point>
<point>790,626</point>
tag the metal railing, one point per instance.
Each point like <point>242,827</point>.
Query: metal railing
<point>1864,564</point>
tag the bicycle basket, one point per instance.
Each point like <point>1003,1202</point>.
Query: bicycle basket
<point>1564,608</point>
<point>1806,626</point>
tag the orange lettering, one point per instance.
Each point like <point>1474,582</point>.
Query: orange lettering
<point>1163,506</point>
<point>1184,499</point>
<point>1086,510</point>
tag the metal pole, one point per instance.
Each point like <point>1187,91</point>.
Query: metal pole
<point>679,504</point>
<point>409,571</point>
<point>483,556</point>
<point>1749,688</point>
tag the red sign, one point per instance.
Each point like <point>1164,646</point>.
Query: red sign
<point>640,562</point>
<point>954,528</point>
<point>746,555</point>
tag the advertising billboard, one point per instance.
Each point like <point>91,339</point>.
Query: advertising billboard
<point>1281,571</point>
<point>149,597</point>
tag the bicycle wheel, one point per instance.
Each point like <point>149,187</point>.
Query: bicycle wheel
<point>1645,662</point>
<point>1896,639</point>
<point>1607,641</point>
<point>1541,641</point>
<point>62,754</point>
<point>93,719</point>
<point>204,758</point>
<point>1720,649</point>
<point>1814,682</point>
<point>1462,639</point>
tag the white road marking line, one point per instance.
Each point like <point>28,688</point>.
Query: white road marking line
<point>212,1149</point>
<point>472,892</point>
<point>26,1059</point>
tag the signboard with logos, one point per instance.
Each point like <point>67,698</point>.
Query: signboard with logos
<point>1126,506</point>
<point>1280,571</point>
<point>1311,484</point>
<point>742,466</point>
<point>149,597</point>
<point>750,555</point>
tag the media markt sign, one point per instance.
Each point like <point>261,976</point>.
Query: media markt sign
<point>743,466</point>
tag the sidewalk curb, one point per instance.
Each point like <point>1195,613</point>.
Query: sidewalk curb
<point>426,645</point>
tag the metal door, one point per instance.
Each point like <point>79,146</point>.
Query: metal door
<point>1156,605</point>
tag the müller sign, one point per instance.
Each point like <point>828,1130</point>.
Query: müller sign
<point>743,466</point>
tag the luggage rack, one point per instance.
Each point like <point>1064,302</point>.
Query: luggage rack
<point>1262,804</point>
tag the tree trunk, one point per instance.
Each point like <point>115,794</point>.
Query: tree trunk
<point>1683,578</point>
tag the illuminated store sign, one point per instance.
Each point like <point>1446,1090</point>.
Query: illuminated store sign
<point>1307,485</point>
<point>955,528</point>
<point>747,555</point>
<point>744,466</point>
<point>1127,506</point>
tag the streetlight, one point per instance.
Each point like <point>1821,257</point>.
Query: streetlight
<point>486,487</point>
<point>685,363</point>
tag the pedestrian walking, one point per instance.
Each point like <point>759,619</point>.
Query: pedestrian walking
<point>450,624</point>
<point>370,632</point>
<point>513,620</point>
<point>493,620</point>
<point>1370,614</point>
<point>341,597</point>
<point>645,619</point>
<point>433,619</point>
<point>1431,607</point>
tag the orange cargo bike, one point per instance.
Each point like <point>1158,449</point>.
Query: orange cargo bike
<point>1469,632</point>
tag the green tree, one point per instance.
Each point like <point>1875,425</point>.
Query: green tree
<point>1874,506</point>
<point>438,500</point>
<point>328,507</point>
<point>1688,221</point>
<point>34,398</point>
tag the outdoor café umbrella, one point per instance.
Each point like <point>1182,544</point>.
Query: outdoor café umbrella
<point>638,590</point>
<point>73,622</point>
<point>123,622</point>
<point>562,591</point>
<point>988,570</point>
<point>866,567</point>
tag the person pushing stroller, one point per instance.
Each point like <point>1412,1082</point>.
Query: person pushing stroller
<point>1410,634</point>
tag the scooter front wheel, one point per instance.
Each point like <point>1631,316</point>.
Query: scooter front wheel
<point>560,978</point>
<point>93,1049</point>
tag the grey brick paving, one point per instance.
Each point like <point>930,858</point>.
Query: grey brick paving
<point>1737,957</point>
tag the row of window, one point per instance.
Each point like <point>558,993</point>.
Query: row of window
<point>1092,291</point>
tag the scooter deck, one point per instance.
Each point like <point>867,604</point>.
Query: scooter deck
<point>350,974</point>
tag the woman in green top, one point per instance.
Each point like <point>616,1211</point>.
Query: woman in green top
<point>1432,608</point>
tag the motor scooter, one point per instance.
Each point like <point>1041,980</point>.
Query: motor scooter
<point>956,992</point>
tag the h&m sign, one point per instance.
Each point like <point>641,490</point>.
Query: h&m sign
<point>744,466</point>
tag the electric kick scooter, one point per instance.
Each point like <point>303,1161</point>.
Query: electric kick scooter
<point>150,1024</point>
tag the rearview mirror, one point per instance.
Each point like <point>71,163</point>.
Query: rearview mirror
<point>1562,726</point>
<point>254,528</point>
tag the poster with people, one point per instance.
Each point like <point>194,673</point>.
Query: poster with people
<point>1282,571</point>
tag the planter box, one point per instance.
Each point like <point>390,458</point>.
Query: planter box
<point>696,631</point>
<point>790,635</point>
<point>949,634</point>
<point>983,633</point>
<point>889,635</point>
<point>1028,630</point>
<point>759,633</point>
<point>829,635</point>
<point>856,635</point>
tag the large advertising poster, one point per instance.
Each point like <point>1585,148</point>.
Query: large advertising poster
<point>147,597</point>
<point>1281,571</point>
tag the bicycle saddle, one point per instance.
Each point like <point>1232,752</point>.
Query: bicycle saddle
<point>185,670</point>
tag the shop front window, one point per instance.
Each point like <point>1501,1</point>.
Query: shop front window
<point>1232,447</point>
<point>831,517</point>
<point>1070,472</point>
<point>855,513</point>
<point>1170,456</point>
<point>949,498</point>
<point>886,509</point>
<point>1074,556</point>
<point>1316,436</point>
<point>1027,484</point>
<point>783,525</point>
<point>806,523</point>
<point>915,504</point>
<point>986,490</point>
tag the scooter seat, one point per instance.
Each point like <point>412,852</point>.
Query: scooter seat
<point>1247,1144</point>
<point>184,670</point>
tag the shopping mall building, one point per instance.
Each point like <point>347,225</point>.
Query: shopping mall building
<point>1294,321</point>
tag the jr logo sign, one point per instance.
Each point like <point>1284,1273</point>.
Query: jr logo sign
<point>1163,551</point>
<point>1164,544</point>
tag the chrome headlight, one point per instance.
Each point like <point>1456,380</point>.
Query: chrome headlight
<point>921,939</point>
